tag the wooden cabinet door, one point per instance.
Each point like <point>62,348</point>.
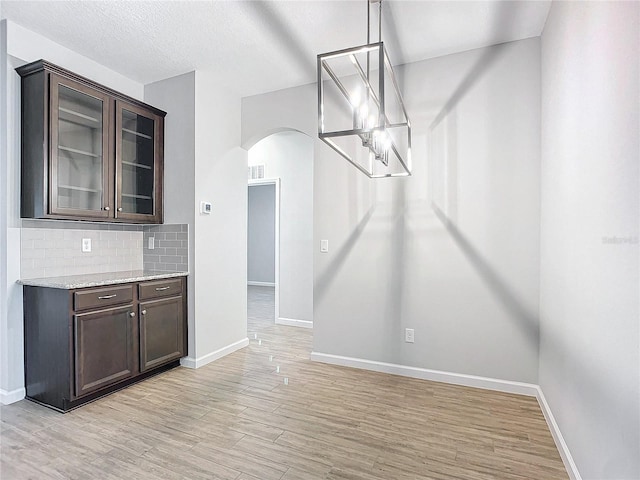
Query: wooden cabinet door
<point>139,163</point>
<point>161,332</point>
<point>80,173</point>
<point>103,348</point>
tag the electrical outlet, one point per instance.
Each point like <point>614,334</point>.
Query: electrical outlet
<point>152,243</point>
<point>408,335</point>
<point>86,245</point>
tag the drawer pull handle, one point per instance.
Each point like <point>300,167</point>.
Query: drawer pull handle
<point>159,289</point>
<point>144,312</point>
<point>132,314</point>
<point>105,297</point>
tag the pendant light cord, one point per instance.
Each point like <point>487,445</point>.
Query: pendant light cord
<point>369,2</point>
<point>368,22</point>
<point>379,20</point>
<point>368,36</point>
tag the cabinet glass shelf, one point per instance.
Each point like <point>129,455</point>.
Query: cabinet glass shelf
<point>80,152</point>
<point>137,165</point>
<point>138,134</point>
<point>79,189</point>
<point>141,197</point>
<point>71,116</point>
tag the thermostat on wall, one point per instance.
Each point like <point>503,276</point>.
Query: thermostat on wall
<point>205,207</point>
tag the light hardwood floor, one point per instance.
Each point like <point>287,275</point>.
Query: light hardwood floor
<point>235,419</point>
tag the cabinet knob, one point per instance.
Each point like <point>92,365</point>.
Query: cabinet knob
<point>119,209</point>
<point>132,314</point>
<point>107,208</point>
<point>144,312</point>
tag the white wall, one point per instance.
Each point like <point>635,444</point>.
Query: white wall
<point>466,280</point>
<point>11,333</point>
<point>221,237</point>
<point>203,162</point>
<point>22,46</point>
<point>590,292</point>
<point>289,157</point>
<point>261,234</point>
<point>176,96</point>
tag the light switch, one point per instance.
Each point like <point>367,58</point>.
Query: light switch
<point>324,246</point>
<point>152,243</point>
<point>86,245</point>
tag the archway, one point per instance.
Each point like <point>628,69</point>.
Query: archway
<point>286,157</point>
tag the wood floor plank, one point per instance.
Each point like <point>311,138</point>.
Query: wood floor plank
<point>242,460</point>
<point>283,455</point>
<point>122,464</point>
<point>195,467</point>
<point>235,419</point>
<point>329,448</point>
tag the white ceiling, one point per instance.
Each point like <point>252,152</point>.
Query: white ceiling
<point>263,46</point>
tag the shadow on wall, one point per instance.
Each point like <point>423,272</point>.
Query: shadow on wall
<point>446,123</point>
<point>397,262</point>
<point>476,72</point>
<point>500,287</point>
<point>443,163</point>
<point>505,18</point>
<point>325,279</point>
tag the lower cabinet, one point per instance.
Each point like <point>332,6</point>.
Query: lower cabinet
<point>84,343</point>
<point>161,332</point>
<point>103,348</point>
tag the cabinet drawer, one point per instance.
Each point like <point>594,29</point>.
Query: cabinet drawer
<point>160,288</point>
<point>101,297</point>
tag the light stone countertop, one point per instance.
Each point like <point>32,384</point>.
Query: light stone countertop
<point>99,279</point>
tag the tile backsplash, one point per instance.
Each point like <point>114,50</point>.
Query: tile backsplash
<point>54,248</point>
<point>171,248</point>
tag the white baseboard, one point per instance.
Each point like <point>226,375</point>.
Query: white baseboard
<point>13,396</point>
<point>294,322</point>
<point>528,389</point>
<point>191,362</point>
<point>561,445</point>
<point>260,284</point>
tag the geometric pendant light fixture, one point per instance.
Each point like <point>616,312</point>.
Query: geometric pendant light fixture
<point>361,114</point>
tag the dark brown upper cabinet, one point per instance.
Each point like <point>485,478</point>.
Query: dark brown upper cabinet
<point>88,152</point>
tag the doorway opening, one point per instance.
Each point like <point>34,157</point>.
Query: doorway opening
<point>280,230</point>
<point>263,249</point>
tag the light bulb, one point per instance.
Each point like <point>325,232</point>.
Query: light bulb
<point>355,98</point>
<point>386,141</point>
<point>363,111</point>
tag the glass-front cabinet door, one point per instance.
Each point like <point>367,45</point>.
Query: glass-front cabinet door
<point>80,182</point>
<point>139,164</point>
